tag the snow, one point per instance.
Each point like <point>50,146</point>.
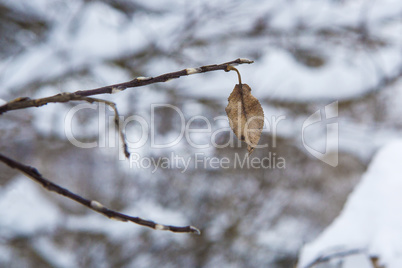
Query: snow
<point>6,254</point>
<point>88,46</point>
<point>101,36</point>
<point>287,227</point>
<point>371,219</point>
<point>24,209</point>
<point>54,254</point>
<point>87,36</point>
<point>348,72</point>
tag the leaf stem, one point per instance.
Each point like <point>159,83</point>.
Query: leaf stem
<point>230,67</point>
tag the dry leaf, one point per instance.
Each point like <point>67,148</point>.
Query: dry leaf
<point>246,117</point>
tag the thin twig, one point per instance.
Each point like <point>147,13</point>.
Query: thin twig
<point>33,174</point>
<point>116,119</point>
<point>66,97</point>
<point>21,103</point>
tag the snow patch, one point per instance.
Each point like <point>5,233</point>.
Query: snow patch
<point>25,211</point>
<point>371,219</point>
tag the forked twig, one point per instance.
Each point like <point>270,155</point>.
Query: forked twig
<point>66,97</point>
<point>83,95</point>
<point>33,174</point>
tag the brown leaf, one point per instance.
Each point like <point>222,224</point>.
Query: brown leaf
<point>246,117</point>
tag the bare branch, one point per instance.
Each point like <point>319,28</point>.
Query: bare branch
<point>24,102</point>
<point>33,174</point>
<point>21,103</point>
